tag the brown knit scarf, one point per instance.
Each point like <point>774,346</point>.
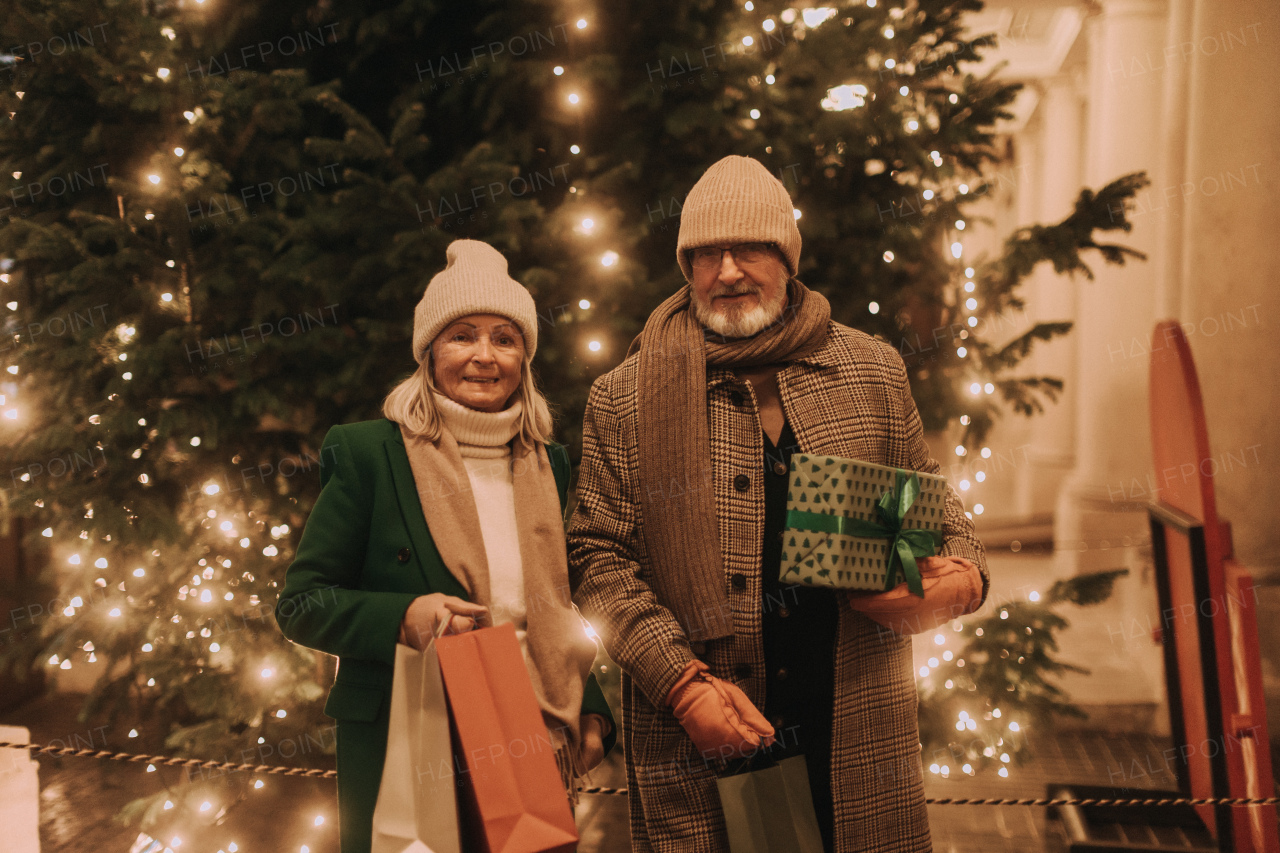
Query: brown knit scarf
<point>560,652</point>
<point>676,498</point>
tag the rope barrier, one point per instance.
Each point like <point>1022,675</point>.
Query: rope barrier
<point>37,749</point>
<point>276,770</point>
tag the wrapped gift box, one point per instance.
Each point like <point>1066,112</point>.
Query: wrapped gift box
<point>852,488</point>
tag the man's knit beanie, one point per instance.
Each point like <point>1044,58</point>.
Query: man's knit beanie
<point>737,200</point>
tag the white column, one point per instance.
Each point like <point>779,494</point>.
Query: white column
<point>1100,521</point>
<point>1052,297</point>
<point>1173,156</point>
<point>19,794</point>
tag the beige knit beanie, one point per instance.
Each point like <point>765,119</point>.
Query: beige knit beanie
<point>737,200</point>
<point>475,281</point>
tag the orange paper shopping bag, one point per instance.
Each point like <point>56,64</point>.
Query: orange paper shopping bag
<point>510,794</point>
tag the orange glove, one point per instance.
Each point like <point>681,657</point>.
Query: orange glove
<point>718,716</point>
<point>952,588</point>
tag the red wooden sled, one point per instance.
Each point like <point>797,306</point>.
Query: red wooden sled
<point>1208,615</point>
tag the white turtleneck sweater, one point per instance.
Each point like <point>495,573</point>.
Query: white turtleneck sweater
<point>484,441</point>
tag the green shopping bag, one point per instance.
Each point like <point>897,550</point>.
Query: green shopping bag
<point>771,810</point>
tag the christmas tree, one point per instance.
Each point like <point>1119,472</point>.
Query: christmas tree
<point>222,214</point>
<point>977,701</point>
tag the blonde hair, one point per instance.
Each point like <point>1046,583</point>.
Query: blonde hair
<point>412,404</point>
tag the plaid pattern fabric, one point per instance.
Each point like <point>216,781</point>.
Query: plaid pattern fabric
<point>876,769</point>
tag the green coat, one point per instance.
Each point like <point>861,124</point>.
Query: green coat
<point>365,554</point>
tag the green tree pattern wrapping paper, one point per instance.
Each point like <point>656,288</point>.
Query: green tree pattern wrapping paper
<point>831,485</point>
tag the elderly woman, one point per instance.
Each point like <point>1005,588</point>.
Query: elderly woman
<point>448,510</point>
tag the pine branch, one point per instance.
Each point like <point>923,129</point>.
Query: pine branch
<point>1062,244</point>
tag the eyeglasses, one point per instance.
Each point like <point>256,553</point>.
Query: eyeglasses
<point>709,257</point>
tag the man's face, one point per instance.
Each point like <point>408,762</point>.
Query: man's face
<point>739,297</point>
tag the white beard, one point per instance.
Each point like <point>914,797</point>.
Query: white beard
<point>741,322</point>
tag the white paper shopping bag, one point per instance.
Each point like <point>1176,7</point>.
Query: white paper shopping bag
<point>417,809</point>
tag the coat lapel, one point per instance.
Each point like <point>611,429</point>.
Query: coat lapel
<point>437,575</point>
<point>821,404</point>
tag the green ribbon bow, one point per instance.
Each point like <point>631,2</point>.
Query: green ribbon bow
<point>907,545</point>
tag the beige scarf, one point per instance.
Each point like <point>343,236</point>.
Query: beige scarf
<point>674,436</point>
<point>560,652</point>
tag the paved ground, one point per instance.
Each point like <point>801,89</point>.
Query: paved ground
<point>80,796</point>
<point>1080,758</point>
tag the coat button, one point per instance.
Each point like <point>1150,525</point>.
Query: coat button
<point>736,398</point>
<point>784,612</point>
<point>404,555</point>
<point>782,673</point>
<point>739,580</point>
<point>777,722</point>
<point>742,671</point>
<point>699,648</point>
<point>780,468</point>
<point>742,482</point>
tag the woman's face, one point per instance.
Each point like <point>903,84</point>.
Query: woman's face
<point>477,361</point>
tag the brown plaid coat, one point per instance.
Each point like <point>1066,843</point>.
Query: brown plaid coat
<point>877,775</point>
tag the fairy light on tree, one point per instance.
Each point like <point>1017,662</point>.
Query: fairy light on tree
<point>995,678</point>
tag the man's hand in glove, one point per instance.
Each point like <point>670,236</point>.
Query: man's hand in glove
<point>718,716</point>
<point>952,588</point>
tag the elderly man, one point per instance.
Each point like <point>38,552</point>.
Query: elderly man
<point>675,546</point>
